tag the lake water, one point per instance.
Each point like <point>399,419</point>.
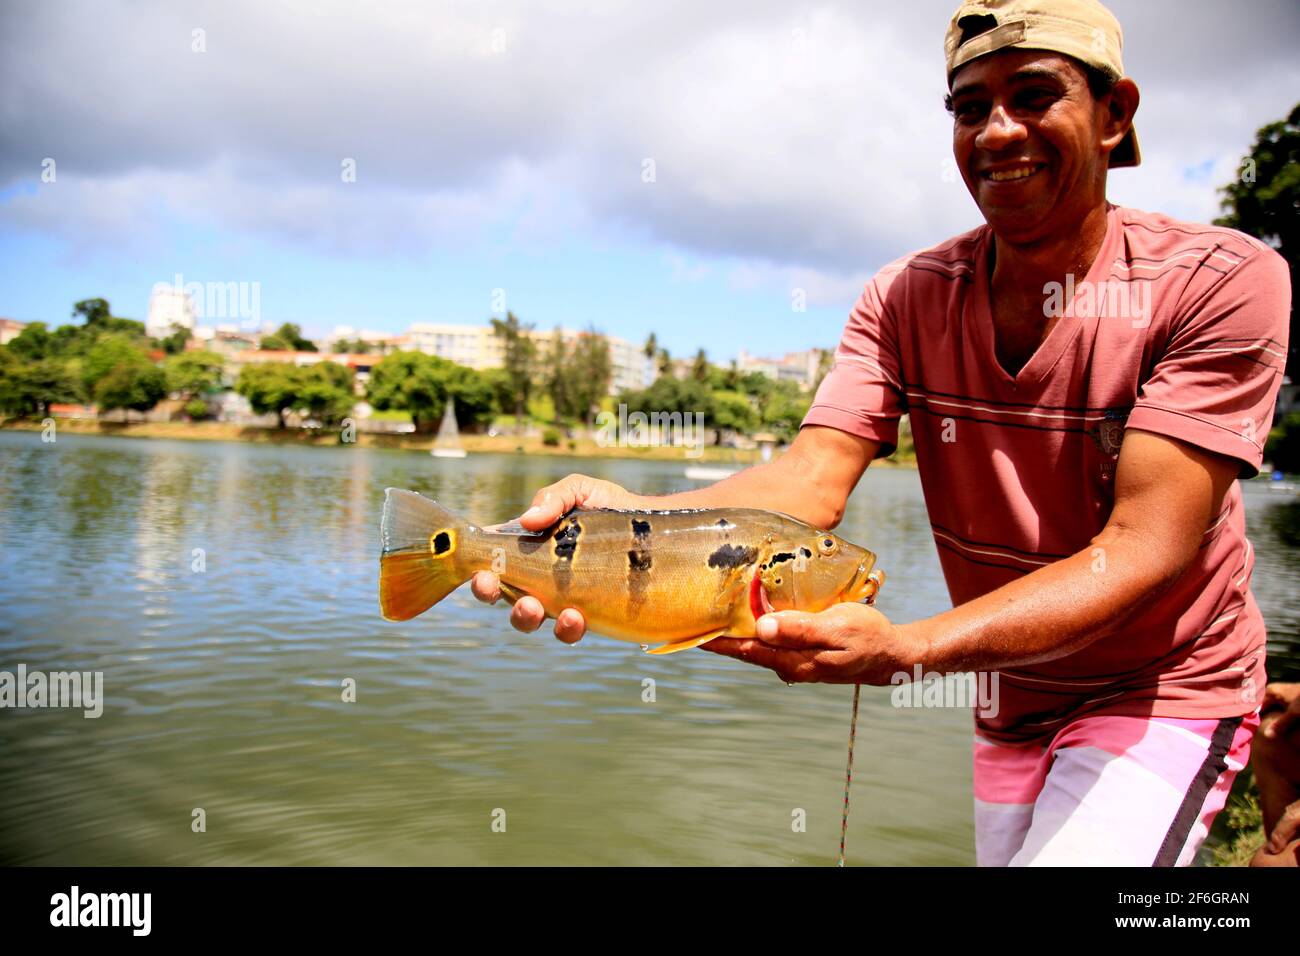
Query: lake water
<point>223,685</point>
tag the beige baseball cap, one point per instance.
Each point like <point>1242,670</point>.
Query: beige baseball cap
<point>1083,29</point>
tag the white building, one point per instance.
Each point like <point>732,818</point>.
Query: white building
<point>169,307</point>
<point>798,367</point>
<point>479,348</point>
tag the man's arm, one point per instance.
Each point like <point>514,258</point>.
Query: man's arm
<point>812,481</point>
<point>1167,493</point>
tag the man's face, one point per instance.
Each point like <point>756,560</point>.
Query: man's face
<point>1026,135</point>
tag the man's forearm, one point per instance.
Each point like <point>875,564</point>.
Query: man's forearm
<point>1050,613</point>
<point>787,484</point>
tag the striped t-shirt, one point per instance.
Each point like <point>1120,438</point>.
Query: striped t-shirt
<point>1178,329</point>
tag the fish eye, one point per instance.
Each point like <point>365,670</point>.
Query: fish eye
<point>826,546</point>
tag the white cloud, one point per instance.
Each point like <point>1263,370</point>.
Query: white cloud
<point>804,146</point>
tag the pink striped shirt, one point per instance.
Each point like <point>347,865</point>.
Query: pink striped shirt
<point>1178,329</point>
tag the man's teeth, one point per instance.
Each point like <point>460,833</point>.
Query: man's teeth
<point>1019,172</point>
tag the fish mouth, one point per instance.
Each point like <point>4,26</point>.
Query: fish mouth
<point>866,583</point>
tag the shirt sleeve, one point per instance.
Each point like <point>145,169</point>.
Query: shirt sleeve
<point>1216,384</point>
<point>862,394</point>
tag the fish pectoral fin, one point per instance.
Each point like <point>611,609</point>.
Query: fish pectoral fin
<point>510,592</point>
<point>686,643</point>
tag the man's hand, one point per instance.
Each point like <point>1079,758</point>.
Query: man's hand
<point>1282,848</point>
<point>845,644</point>
<point>1286,698</point>
<point>549,505</point>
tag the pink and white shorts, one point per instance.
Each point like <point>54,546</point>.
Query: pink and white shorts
<point>1107,791</point>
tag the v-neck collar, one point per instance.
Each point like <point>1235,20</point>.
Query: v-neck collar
<point>1049,351</point>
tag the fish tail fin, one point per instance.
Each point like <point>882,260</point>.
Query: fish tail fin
<point>422,559</point>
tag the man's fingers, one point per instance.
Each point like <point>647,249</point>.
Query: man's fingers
<point>527,615</point>
<point>1285,723</point>
<point>1287,828</point>
<point>791,629</point>
<point>554,501</point>
<point>570,626</point>
<point>790,665</point>
<point>486,587</point>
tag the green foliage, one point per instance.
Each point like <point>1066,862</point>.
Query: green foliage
<point>579,375</point>
<point>287,338</point>
<point>589,369</point>
<point>175,343</point>
<point>1283,446</point>
<point>28,387</point>
<point>421,384</point>
<point>322,391</point>
<point>117,372</point>
<point>1264,201</point>
<point>520,362</point>
<point>196,408</point>
<point>1244,825</point>
<point>734,411</point>
<point>136,386</point>
<point>269,387</point>
<point>193,372</point>
<point>352,346</point>
<point>551,438</point>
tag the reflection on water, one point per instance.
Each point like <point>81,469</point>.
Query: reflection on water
<point>226,591</point>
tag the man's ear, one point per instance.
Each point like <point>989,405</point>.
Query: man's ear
<point>1122,104</point>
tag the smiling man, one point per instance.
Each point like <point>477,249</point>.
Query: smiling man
<point>1085,383</point>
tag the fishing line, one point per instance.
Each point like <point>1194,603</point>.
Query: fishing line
<point>848,770</point>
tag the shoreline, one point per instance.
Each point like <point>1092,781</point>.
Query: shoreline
<point>472,443</point>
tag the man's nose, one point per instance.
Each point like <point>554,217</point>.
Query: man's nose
<point>1000,131</point>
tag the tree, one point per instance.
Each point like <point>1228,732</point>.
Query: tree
<point>192,373</point>
<point>734,411</point>
<point>589,371</point>
<point>134,386</point>
<point>287,338</point>
<point>651,347</point>
<point>174,343</point>
<point>421,384</point>
<point>520,361</point>
<point>93,311</point>
<point>32,344</point>
<point>700,367</point>
<point>324,391</point>
<point>28,387</point>
<point>98,318</point>
<point>269,387</point>
<point>1264,201</point>
<point>557,375</point>
<point>117,372</point>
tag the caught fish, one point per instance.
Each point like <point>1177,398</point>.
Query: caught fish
<point>675,579</point>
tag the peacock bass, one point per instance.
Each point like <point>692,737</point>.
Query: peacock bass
<point>674,579</point>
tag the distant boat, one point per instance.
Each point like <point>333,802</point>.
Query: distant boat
<point>447,444</point>
<point>705,473</point>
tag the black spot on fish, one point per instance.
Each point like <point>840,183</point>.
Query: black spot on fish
<point>732,556</point>
<point>724,523</point>
<point>640,528</point>
<point>638,560</point>
<point>778,558</point>
<point>805,552</point>
<point>441,542</point>
<point>566,541</point>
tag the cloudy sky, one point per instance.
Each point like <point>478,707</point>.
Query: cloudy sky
<point>681,167</point>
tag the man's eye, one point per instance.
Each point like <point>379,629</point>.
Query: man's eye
<point>969,111</point>
<point>1037,99</point>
